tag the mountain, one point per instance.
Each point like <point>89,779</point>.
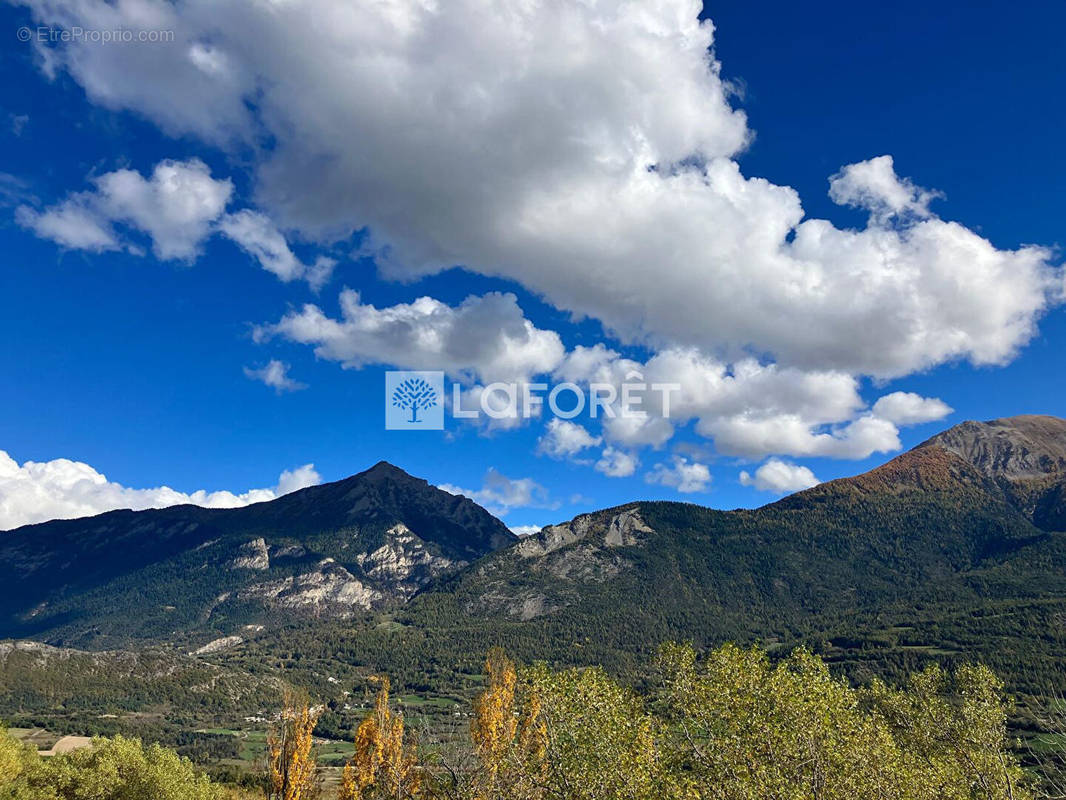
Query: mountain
<point>1025,456</point>
<point>954,551</point>
<point>969,498</point>
<point>1016,449</point>
<point>368,542</point>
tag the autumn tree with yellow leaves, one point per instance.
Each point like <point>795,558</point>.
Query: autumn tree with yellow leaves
<point>508,736</point>
<point>385,764</point>
<point>291,759</point>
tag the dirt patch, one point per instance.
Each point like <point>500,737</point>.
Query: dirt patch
<point>67,744</point>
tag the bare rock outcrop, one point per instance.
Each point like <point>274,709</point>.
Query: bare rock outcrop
<point>253,555</point>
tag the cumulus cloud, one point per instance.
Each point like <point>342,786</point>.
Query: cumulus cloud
<point>71,224</point>
<point>257,235</point>
<point>563,439</point>
<point>275,375</point>
<point>908,408</point>
<point>178,208</point>
<point>616,463</point>
<point>681,474</point>
<point>485,337</point>
<point>567,146</point>
<point>750,409</point>
<point>780,477</point>
<point>752,437</point>
<point>499,494</point>
<point>874,186</point>
<point>65,489</point>
<point>292,480</point>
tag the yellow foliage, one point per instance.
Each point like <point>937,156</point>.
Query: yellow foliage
<point>293,772</point>
<point>508,735</point>
<point>745,728</point>
<point>494,725</point>
<point>385,762</point>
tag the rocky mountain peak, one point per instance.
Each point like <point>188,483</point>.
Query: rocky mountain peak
<point>365,542</point>
<point>1013,448</point>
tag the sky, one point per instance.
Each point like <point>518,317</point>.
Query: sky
<point>836,229</point>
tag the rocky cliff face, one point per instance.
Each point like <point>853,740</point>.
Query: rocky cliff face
<point>600,529</point>
<point>548,570</point>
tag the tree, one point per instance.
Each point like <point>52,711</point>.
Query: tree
<point>599,742</point>
<point>952,727</point>
<point>110,769</point>
<point>508,734</point>
<point>743,728</point>
<point>385,763</point>
<point>415,394</point>
<point>291,760</point>
<point>17,761</point>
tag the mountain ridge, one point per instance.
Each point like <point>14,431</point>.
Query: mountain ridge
<point>367,541</point>
<point>930,556</point>
<point>928,518</point>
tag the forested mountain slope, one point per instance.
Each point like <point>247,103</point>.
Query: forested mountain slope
<point>952,551</point>
<point>367,542</point>
<point>947,551</point>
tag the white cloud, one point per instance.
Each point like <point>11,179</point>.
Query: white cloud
<point>176,207</point>
<point>485,338</point>
<point>780,477</point>
<point>681,474</point>
<point>908,408</point>
<point>275,375</point>
<point>633,430</point>
<point>874,186</point>
<point>292,480</point>
<point>568,146</point>
<point>499,494</point>
<point>615,463</point>
<point>70,224</point>
<point>65,489</point>
<point>258,236</point>
<point>753,437</point>
<point>179,207</point>
<point>750,409</point>
<point>526,530</point>
<point>563,438</point>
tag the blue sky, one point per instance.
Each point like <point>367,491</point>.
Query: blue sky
<point>134,363</point>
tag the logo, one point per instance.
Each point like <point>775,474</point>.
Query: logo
<point>414,401</point>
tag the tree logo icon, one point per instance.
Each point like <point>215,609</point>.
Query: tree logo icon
<point>414,394</point>
<point>414,400</point>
